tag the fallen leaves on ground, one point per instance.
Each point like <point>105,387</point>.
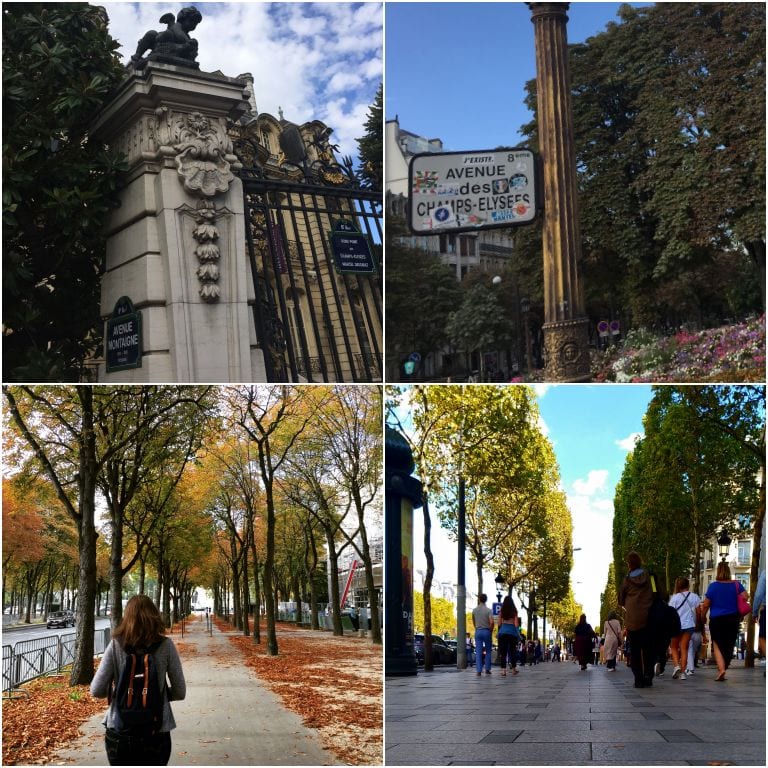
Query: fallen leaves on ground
<point>34,727</point>
<point>333,683</point>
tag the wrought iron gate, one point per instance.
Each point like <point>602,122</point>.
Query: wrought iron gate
<point>316,319</point>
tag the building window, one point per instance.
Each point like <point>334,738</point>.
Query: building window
<point>744,579</point>
<point>265,140</point>
<point>745,552</point>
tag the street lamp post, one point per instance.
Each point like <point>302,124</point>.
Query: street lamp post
<point>723,544</point>
<point>525,308</point>
<point>566,328</point>
<point>500,580</point>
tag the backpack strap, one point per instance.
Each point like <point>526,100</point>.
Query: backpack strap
<point>131,679</point>
<point>146,680</point>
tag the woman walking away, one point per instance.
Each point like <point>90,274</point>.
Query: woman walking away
<point>636,596</point>
<point>139,657</point>
<point>724,618</point>
<point>612,633</point>
<point>582,641</point>
<point>685,603</point>
<point>508,635</point>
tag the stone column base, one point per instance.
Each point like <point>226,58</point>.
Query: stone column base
<point>566,349</point>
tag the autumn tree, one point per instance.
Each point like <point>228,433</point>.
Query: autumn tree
<point>443,615</point>
<point>350,426</point>
<point>66,429</point>
<point>273,418</point>
<point>167,425</point>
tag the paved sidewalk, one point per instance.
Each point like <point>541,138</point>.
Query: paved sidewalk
<point>227,718</point>
<point>554,714</point>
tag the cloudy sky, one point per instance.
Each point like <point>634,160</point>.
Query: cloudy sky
<point>315,60</point>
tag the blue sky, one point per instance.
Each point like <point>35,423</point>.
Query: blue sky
<point>592,428</point>
<point>457,71</point>
<point>315,60</point>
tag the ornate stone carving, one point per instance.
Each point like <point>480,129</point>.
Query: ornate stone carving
<point>201,147</point>
<point>173,45</point>
<point>201,159</point>
<point>207,252</point>
<point>566,346</point>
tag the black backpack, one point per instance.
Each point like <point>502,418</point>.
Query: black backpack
<point>662,618</point>
<point>137,694</point>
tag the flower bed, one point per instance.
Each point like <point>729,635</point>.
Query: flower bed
<point>730,353</point>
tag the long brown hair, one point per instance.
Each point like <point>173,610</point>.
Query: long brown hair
<point>142,624</point>
<point>508,609</point>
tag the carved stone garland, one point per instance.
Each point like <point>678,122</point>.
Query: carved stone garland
<point>207,251</point>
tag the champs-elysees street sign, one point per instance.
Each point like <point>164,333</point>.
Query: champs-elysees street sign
<point>467,191</point>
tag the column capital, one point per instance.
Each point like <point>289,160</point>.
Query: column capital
<point>548,10</point>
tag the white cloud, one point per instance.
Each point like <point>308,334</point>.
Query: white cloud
<point>628,443</point>
<point>343,80</point>
<point>314,60</point>
<point>596,481</point>
<point>592,515</point>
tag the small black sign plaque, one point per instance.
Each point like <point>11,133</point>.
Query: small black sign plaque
<point>122,340</point>
<point>351,249</point>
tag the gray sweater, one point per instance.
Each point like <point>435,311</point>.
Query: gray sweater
<point>169,673</point>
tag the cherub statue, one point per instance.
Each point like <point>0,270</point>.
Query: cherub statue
<point>173,42</point>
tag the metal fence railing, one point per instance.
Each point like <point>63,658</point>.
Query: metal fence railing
<point>29,659</point>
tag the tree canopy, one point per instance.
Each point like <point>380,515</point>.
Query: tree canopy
<point>59,67</point>
<point>669,120</point>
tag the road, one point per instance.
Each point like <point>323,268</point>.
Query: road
<point>14,635</point>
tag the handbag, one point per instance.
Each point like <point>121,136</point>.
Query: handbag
<point>742,604</point>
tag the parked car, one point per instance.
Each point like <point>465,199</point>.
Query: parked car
<point>60,619</point>
<point>442,653</point>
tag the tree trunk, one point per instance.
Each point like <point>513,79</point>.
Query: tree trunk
<point>256,595</point>
<point>82,666</point>
<point>246,594</point>
<point>333,561</point>
<point>757,538</point>
<point>116,569</point>
<point>269,576</point>
<point>427,596</point>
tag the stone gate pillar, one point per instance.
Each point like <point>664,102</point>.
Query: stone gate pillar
<point>176,245</point>
<point>566,329</point>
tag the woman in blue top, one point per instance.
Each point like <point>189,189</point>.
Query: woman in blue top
<point>724,618</point>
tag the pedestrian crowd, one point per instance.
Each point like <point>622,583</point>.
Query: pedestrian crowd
<point>655,627</point>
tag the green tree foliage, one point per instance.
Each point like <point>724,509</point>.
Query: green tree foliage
<point>669,126</point>
<point>371,145</point>
<point>421,294</point>
<point>564,614</point>
<point>516,518</point>
<point>698,468</point>
<point>483,321</point>
<point>59,67</point>
<point>609,598</point>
